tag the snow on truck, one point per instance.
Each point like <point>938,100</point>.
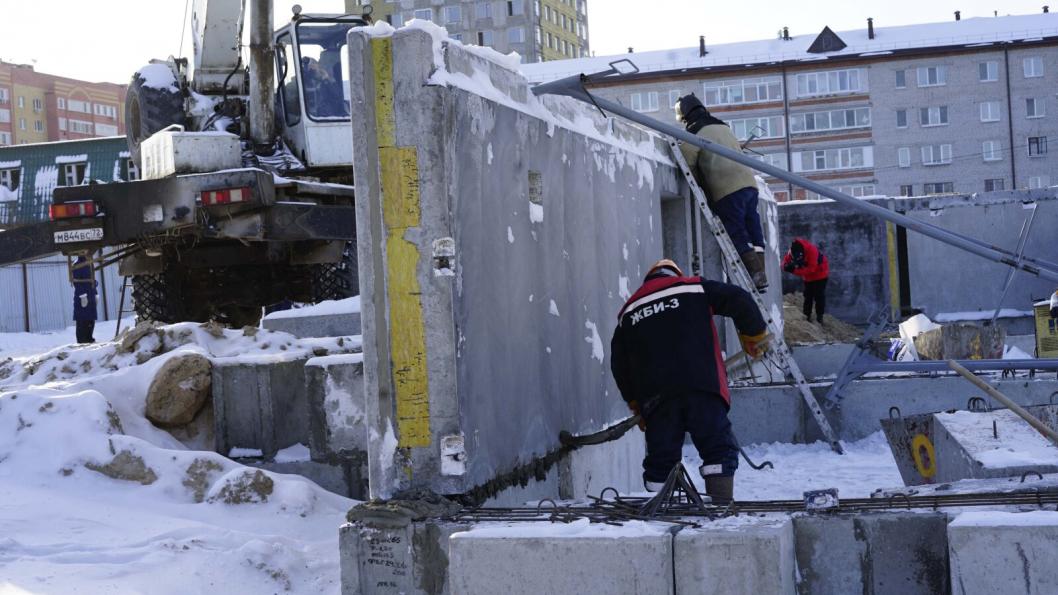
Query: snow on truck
<point>246,195</point>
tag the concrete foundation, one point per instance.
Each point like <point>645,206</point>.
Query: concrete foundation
<point>1009,553</point>
<point>260,405</point>
<point>331,325</point>
<point>735,556</point>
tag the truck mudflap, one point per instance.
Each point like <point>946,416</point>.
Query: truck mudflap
<point>27,242</point>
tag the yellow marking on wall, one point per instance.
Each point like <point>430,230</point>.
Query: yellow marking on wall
<point>399,178</point>
<point>918,444</point>
<point>894,272</point>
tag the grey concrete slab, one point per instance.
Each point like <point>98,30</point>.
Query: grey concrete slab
<point>331,325</point>
<point>395,556</point>
<point>259,405</point>
<point>633,564</point>
<point>767,414</point>
<point>337,418</point>
<point>874,554</point>
<point>1009,553</point>
<point>733,557</point>
<point>821,361</point>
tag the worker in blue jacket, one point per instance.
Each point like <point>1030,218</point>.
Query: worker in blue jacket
<point>84,300</point>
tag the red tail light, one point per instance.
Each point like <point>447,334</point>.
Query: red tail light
<point>68,210</point>
<point>225,197</point>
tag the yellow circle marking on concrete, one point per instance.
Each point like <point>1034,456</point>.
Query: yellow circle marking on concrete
<point>918,444</point>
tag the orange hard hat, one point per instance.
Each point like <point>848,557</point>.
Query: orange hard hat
<point>665,263</point>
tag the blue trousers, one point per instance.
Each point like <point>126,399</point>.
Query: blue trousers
<point>704,417</point>
<point>738,211</point>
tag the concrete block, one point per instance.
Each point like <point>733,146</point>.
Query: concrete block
<point>540,559</point>
<point>731,556</point>
<point>259,405</point>
<point>335,389</point>
<point>821,361</point>
<point>961,341</point>
<point>592,469</point>
<point>767,414</point>
<point>874,554</point>
<point>999,552</point>
<point>395,557</point>
<point>347,479</point>
<point>330,325</point>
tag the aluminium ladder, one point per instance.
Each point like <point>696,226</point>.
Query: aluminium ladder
<point>738,275</point>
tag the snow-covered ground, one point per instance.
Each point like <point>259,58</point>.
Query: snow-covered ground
<point>22,344</point>
<point>95,499</point>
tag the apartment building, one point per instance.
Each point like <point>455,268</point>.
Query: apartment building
<point>539,30</point>
<point>36,107</point>
<point>964,106</point>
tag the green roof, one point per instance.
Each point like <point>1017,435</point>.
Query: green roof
<point>40,167</point>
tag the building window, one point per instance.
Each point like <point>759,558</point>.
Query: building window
<point>83,107</point>
<point>9,178</point>
<point>858,190</point>
<point>21,123</point>
<point>763,127</point>
<point>515,7</point>
<point>939,188</point>
<point>841,119</point>
<point>516,35</point>
<point>674,96</point>
<point>645,102</point>
<point>933,116</point>
<point>38,126</point>
<point>38,105</point>
<point>5,138</point>
<point>21,102</point>
<point>484,37</point>
<point>547,13</point>
<point>901,118</point>
<point>5,96</point>
<point>550,41</point>
<point>988,72</point>
<point>106,129</point>
<point>453,15</point>
<point>1037,146</point>
<point>80,127</point>
<point>425,14</point>
<point>907,190</point>
<point>741,91</point>
<point>1034,108</point>
<point>61,102</point>
<point>989,111</point>
<point>903,156</point>
<point>539,36</point>
<point>990,151</point>
<point>936,154</point>
<point>994,185</point>
<point>774,159</point>
<point>832,82</point>
<point>832,159</point>
<point>1039,182</point>
<point>901,79</point>
<point>5,116</point>
<point>62,123</point>
<point>1033,67</point>
<point>932,76</point>
<point>74,174</point>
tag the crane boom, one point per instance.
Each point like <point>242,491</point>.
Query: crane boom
<point>216,30</point>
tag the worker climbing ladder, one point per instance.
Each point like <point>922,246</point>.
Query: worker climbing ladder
<point>779,354</point>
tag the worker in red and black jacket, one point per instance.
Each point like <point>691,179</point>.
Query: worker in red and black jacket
<point>810,264</point>
<point>666,359</point>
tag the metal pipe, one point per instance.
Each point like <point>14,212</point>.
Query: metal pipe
<point>574,87</point>
<point>262,74</point>
<point>981,365</point>
<point>1026,229</point>
<point>1038,425</point>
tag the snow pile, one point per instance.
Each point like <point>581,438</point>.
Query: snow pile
<point>158,76</point>
<point>1034,518</point>
<point>96,499</point>
<point>1018,444</point>
<point>575,529</point>
<point>324,308</point>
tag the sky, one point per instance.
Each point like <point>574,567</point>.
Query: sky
<point>108,40</point>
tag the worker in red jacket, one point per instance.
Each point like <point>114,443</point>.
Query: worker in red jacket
<point>810,264</point>
<point>665,357</point>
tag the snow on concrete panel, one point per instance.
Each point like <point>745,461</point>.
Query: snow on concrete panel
<point>1002,552</point>
<point>1012,442</point>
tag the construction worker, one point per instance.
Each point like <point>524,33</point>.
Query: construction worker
<point>730,186</point>
<point>84,300</point>
<point>666,359</point>
<point>810,264</point>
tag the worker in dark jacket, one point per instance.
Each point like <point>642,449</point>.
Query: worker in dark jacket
<point>84,300</point>
<point>810,264</point>
<point>730,186</point>
<point>666,359</point>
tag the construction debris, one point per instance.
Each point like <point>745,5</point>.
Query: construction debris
<point>798,330</point>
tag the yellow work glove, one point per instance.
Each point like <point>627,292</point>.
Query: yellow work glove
<point>754,345</point>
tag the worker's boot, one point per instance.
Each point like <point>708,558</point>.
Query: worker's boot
<point>721,488</point>
<point>754,262</point>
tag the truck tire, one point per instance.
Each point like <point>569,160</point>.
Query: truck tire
<point>157,297</point>
<point>336,281</point>
<point>149,109</point>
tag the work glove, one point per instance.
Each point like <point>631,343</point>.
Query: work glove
<point>633,406</point>
<point>754,345</point>
<point>84,300</point>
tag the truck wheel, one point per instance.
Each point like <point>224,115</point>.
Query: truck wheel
<point>157,297</point>
<point>336,281</point>
<point>150,106</point>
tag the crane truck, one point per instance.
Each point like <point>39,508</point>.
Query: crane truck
<point>249,200</point>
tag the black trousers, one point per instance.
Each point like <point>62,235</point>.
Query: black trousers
<point>704,416</point>
<point>815,292</point>
<point>85,328</point>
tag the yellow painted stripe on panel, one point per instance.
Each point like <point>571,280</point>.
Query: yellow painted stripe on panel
<point>399,173</point>
<point>894,272</point>
<point>382,56</point>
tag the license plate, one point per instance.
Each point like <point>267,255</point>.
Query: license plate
<point>70,236</point>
